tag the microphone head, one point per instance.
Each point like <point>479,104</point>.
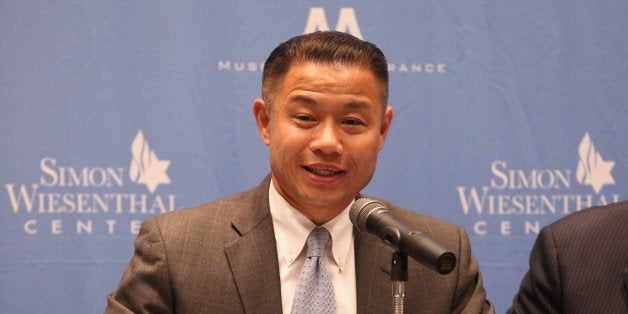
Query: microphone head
<point>361,209</point>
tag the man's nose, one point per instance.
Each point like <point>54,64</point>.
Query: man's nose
<point>327,139</point>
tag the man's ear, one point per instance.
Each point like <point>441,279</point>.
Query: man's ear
<point>383,132</point>
<point>261,111</point>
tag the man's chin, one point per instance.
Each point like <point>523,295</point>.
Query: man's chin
<point>329,202</point>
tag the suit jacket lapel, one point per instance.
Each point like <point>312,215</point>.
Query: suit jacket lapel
<point>625,274</point>
<point>253,256</point>
<point>372,262</point>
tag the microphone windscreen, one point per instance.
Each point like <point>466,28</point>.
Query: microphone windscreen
<point>360,211</point>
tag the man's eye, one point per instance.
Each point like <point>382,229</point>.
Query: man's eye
<point>353,122</point>
<point>304,118</point>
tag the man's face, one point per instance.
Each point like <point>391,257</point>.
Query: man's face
<point>325,129</point>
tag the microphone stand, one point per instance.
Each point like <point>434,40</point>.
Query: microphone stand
<point>399,276</point>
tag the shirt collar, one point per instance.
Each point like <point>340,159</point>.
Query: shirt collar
<point>292,228</point>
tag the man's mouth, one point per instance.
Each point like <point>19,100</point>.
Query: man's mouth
<point>322,172</point>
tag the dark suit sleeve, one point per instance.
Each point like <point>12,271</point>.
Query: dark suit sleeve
<point>540,289</point>
<point>145,285</point>
<point>470,293</point>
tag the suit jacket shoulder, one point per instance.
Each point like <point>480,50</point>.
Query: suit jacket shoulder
<point>209,257</point>
<point>579,264</point>
<point>427,291</point>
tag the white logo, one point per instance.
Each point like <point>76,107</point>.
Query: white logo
<point>347,22</point>
<point>515,193</point>
<point>592,169</point>
<point>145,167</point>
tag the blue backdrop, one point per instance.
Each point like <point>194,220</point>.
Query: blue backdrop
<point>509,115</point>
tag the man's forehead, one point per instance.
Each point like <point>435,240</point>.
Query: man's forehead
<point>333,65</point>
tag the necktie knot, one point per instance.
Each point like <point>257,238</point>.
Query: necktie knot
<point>316,241</point>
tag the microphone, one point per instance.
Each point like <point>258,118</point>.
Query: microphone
<point>373,218</point>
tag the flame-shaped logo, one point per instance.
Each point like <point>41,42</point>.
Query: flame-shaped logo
<point>592,169</point>
<point>145,167</point>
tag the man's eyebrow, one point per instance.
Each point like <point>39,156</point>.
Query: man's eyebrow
<point>309,101</point>
<point>303,99</point>
<point>357,105</point>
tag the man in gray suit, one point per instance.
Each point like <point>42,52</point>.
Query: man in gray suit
<point>579,264</point>
<point>324,116</point>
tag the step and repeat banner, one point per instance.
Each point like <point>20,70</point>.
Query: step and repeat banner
<point>508,116</point>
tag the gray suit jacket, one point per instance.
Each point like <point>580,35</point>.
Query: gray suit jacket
<point>221,258</point>
<point>579,264</point>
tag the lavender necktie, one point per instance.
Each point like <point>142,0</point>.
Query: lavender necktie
<point>314,293</point>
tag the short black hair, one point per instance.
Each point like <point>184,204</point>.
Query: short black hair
<point>324,47</point>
